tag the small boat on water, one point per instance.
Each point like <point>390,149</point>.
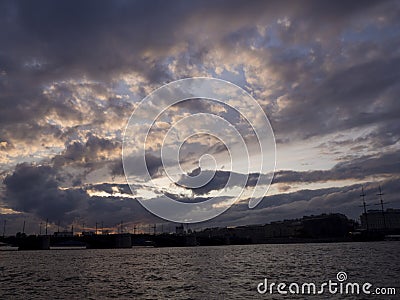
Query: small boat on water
<point>392,237</point>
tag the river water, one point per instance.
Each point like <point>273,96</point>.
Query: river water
<point>224,272</point>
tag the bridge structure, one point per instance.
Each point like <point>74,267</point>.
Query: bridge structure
<point>98,241</point>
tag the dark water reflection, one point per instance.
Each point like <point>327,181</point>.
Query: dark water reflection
<point>229,272</point>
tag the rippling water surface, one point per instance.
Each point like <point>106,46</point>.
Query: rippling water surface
<point>226,272</point>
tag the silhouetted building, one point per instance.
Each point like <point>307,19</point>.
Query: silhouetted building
<point>332,225</point>
<point>286,228</point>
<point>63,234</point>
<point>262,233</point>
<point>179,229</point>
<point>378,220</point>
<point>88,233</point>
<point>309,227</point>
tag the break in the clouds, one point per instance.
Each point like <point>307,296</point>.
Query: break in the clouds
<point>71,73</point>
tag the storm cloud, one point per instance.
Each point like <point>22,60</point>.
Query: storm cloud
<point>71,73</point>
<point>37,190</point>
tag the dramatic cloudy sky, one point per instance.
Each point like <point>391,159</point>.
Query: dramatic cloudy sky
<point>326,73</point>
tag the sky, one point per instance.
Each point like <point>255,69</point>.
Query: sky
<point>326,74</point>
